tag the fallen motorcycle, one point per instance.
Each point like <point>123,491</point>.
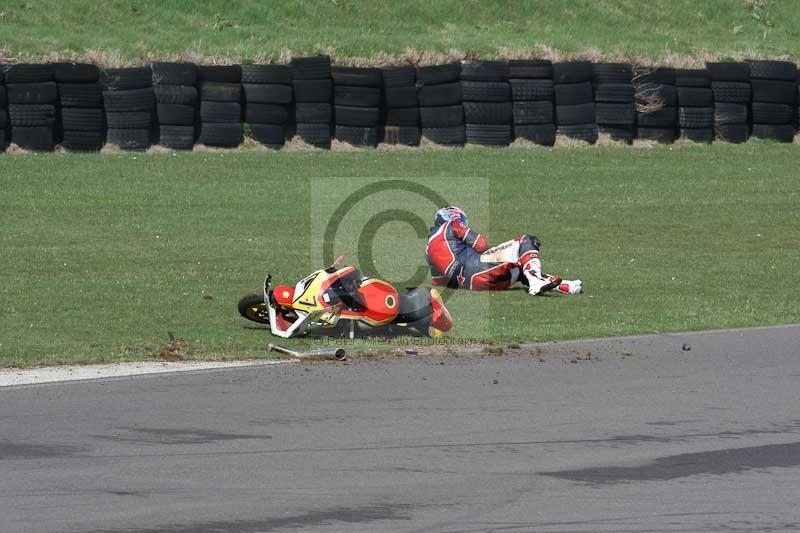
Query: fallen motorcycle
<point>341,302</point>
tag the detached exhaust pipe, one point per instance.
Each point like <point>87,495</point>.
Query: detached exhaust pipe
<point>324,353</point>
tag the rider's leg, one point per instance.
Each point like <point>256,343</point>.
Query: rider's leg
<point>531,265</point>
<point>489,276</point>
<point>441,321</point>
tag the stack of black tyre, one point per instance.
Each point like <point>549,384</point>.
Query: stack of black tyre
<point>695,105</point>
<point>486,95</point>
<point>221,113</point>
<point>401,114</point>
<point>730,83</point>
<point>268,103</point>
<point>531,83</point>
<point>774,99</point>
<point>83,123</point>
<point>656,104</point>
<point>129,104</point>
<point>797,114</point>
<point>174,85</point>
<point>615,106</point>
<point>3,111</point>
<point>32,97</point>
<point>574,98</point>
<point>441,113</point>
<point>357,96</point>
<point>311,79</point>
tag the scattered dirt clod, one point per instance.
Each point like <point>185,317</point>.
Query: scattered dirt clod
<point>172,350</point>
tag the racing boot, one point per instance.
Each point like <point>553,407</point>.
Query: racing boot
<point>537,281</point>
<point>441,321</point>
<point>570,286</point>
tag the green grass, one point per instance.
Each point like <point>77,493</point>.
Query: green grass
<point>101,256</point>
<point>249,30</point>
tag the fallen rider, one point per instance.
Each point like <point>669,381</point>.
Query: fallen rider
<point>460,257</point>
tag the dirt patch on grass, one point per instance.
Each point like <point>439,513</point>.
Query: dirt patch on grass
<point>604,139</point>
<point>111,149</point>
<point>15,149</point>
<point>160,149</point>
<point>297,144</point>
<point>442,353</point>
<point>427,144</point>
<point>527,144</point>
<point>562,141</point>
<point>251,145</point>
<point>175,349</point>
<point>389,147</point>
<point>248,145</point>
<point>472,146</point>
<point>644,143</point>
<point>341,146</point>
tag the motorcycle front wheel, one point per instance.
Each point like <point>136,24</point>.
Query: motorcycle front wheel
<point>252,307</point>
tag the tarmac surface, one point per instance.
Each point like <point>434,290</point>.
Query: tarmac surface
<point>674,432</point>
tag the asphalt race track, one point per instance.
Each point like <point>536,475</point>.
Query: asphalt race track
<point>682,432</point>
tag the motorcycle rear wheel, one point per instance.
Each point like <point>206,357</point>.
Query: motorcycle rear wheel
<point>252,307</point>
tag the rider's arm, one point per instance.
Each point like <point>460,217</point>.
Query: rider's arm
<point>470,237</point>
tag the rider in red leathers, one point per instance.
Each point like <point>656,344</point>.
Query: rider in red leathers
<point>460,257</point>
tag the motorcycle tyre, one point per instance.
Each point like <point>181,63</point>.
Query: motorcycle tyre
<point>252,307</point>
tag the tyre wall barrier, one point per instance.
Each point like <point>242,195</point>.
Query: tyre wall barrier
<point>313,94</point>
<point>81,107</point>
<point>4,134</point>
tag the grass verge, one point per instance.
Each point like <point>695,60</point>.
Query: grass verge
<point>103,256</point>
<point>121,32</point>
